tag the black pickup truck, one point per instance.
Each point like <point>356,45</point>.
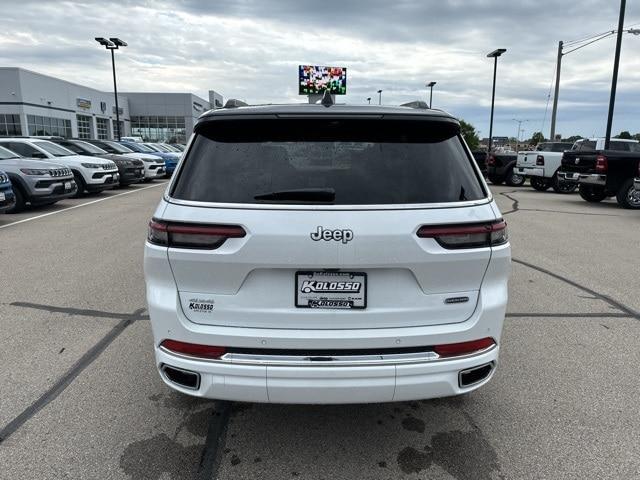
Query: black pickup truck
<point>501,169</point>
<point>604,173</point>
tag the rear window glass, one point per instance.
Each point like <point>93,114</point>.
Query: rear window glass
<point>554,147</point>
<point>349,162</point>
<point>584,145</point>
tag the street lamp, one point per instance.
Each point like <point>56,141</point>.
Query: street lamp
<point>495,54</point>
<point>430,85</point>
<point>369,100</point>
<point>379,97</point>
<point>113,44</point>
<point>573,46</point>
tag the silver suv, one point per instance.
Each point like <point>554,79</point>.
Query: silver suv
<point>327,254</point>
<point>36,182</point>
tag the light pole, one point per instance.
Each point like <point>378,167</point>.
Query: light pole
<point>519,122</point>
<point>614,79</point>
<point>430,85</point>
<point>495,54</point>
<point>113,44</point>
<point>573,46</point>
<point>369,100</point>
<point>379,97</point>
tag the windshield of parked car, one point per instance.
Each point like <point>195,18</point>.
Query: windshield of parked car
<point>336,161</point>
<point>88,147</point>
<point>118,147</point>
<point>153,148</point>
<point>54,149</point>
<point>6,154</point>
<point>140,148</point>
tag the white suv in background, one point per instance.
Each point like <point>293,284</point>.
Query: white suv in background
<point>153,164</point>
<point>327,254</point>
<point>91,174</point>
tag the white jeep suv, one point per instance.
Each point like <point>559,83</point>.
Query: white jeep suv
<point>326,254</point>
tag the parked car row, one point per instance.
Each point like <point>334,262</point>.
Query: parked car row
<point>43,170</point>
<point>597,173</point>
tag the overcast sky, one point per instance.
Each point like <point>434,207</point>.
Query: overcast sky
<point>250,49</point>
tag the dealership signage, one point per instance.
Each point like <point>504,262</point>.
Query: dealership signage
<point>83,103</point>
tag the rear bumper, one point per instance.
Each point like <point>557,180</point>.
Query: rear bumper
<point>593,179</point>
<point>530,171</point>
<point>569,177</point>
<point>326,384</point>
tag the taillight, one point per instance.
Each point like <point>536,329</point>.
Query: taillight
<point>491,160</point>
<point>191,235</point>
<point>467,235</point>
<point>601,164</point>
<point>539,160</point>
<point>464,348</point>
<point>193,349</point>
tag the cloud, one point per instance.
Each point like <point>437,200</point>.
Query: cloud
<point>250,49</point>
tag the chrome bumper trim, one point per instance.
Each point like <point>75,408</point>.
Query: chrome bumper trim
<point>326,361</point>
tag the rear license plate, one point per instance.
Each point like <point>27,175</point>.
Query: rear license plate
<point>67,185</point>
<point>332,290</point>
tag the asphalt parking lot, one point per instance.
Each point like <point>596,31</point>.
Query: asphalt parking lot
<point>80,397</point>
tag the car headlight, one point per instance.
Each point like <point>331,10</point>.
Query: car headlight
<point>91,165</point>
<point>34,171</point>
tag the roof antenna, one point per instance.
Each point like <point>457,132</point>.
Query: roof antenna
<point>327,99</point>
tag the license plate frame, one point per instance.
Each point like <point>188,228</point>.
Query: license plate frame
<point>327,297</point>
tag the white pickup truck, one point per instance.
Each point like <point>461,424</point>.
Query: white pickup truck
<point>541,166</point>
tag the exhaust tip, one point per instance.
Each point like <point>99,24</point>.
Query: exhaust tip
<point>472,376</point>
<point>183,378</point>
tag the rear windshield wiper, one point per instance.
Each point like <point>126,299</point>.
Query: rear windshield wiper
<point>301,194</point>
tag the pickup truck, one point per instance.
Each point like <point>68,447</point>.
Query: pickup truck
<point>541,167</point>
<point>604,173</point>
<point>501,169</point>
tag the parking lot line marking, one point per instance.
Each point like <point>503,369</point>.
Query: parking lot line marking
<point>216,436</point>
<point>614,303</point>
<point>62,383</point>
<point>24,220</point>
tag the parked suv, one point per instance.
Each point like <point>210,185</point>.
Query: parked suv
<point>153,164</point>
<point>91,174</point>
<point>7,198</point>
<point>36,182</point>
<point>340,254</point>
<point>170,159</point>
<point>130,170</point>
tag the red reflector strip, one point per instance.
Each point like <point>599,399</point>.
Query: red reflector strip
<point>463,348</point>
<point>193,349</point>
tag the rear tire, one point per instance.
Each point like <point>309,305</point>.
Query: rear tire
<point>562,187</point>
<point>540,184</point>
<point>496,180</point>
<point>592,193</point>
<point>627,196</point>
<point>515,179</point>
<point>20,201</point>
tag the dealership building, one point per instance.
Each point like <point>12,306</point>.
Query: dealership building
<point>36,104</point>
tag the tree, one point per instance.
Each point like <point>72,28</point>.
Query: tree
<point>573,138</point>
<point>536,138</point>
<point>470,135</point>
<point>637,136</point>
<point>625,135</point>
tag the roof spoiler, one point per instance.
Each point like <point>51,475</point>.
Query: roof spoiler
<point>235,103</point>
<point>417,104</point>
